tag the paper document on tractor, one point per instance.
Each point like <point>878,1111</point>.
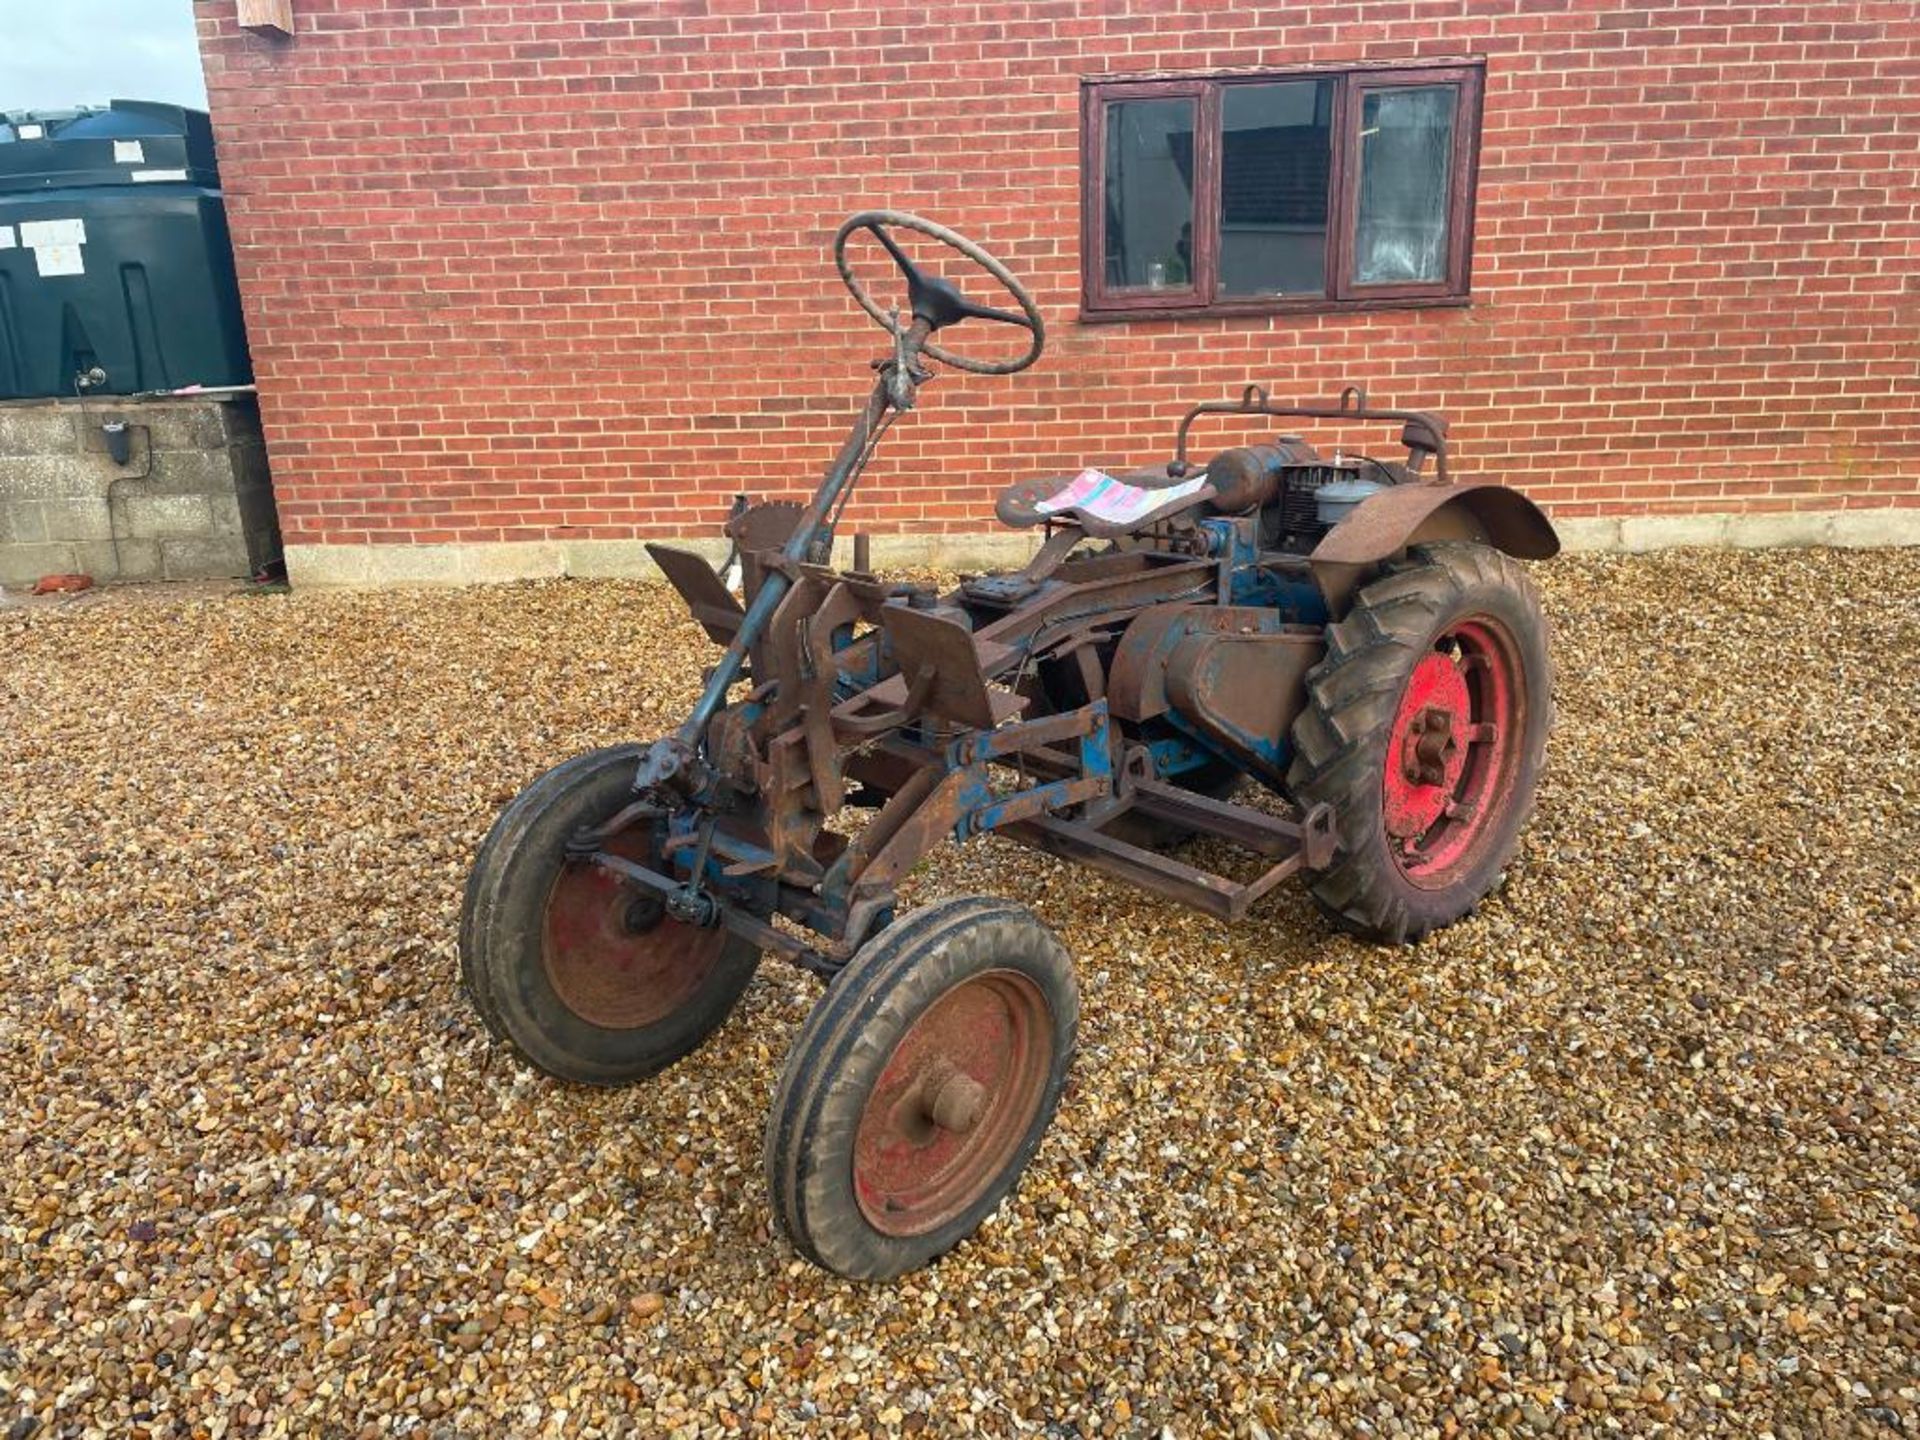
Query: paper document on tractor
<point>1099,496</point>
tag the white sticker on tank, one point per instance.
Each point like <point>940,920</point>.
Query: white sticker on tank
<point>36,233</point>
<point>159,175</point>
<point>6,237</point>
<point>31,132</point>
<point>129,152</point>
<point>60,259</point>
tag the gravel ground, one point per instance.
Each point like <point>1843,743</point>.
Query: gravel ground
<point>1633,1149</point>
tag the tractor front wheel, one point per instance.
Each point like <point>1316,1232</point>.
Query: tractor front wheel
<point>581,973</point>
<point>1425,730</point>
<point>920,1086</point>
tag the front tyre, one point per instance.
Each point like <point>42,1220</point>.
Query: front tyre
<point>920,1086</point>
<point>583,974</point>
<point>1425,731</point>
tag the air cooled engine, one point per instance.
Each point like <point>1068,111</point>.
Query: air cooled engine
<point>1300,493</point>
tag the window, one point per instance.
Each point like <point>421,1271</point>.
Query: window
<point>1306,191</point>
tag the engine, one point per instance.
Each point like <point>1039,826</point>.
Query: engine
<point>1300,494</point>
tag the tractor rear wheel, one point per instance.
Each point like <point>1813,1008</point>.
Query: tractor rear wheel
<point>582,974</point>
<point>1425,729</point>
<point>920,1086</point>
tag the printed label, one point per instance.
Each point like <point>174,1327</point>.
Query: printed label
<point>139,175</point>
<point>35,233</point>
<point>59,259</point>
<point>31,132</point>
<point>129,152</point>
<point>6,237</point>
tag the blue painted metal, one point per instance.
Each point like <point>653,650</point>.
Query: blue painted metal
<point>1295,597</point>
<point>1177,755</point>
<point>979,809</point>
<point>1096,746</point>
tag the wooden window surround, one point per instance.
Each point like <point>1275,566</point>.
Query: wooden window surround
<point>1273,191</point>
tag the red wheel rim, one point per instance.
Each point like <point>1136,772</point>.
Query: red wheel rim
<point>1453,753</point>
<point>954,1103</point>
<point>612,955</point>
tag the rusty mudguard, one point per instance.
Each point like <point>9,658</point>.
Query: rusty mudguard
<point>1385,524</point>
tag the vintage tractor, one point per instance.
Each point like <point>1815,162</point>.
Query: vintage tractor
<point>1353,634</point>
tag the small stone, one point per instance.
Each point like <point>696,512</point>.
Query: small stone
<point>645,1307</point>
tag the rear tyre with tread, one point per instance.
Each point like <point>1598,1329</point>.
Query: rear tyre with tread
<point>920,1086</point>
<point>1425,730</point>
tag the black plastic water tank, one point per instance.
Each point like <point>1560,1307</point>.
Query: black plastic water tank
<point>114,253</point>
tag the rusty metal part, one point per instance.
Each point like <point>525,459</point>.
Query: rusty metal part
<point>1248,476</point>
<point>1240,687</point>
<point>759,533</point>
<point>1232,675</point>
<point>958,800</point>
<point>708,599</point>
<point>953,1105</point>
<point>1217,895</point>
<point>1110,587</point>
<point>1136,683</point>
<point>1423,433</point>
<point>932,645</point>
<point>1386,523</point>
<point>766,526</point>
<point>731,750</point>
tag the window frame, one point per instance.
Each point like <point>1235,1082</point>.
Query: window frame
<point>1102,302</point>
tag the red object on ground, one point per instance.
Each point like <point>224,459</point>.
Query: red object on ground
<point>62,584</point>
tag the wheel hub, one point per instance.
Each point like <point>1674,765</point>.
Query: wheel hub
<point>953,1104</point>
<point>1429,745</point>
<point>1452,751</point>
<point>955,1101</point>
<point>643,913</point>
<point>612,954</point>
<point>1432,713</point>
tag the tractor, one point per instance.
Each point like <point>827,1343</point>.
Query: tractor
<point>1330,666</point>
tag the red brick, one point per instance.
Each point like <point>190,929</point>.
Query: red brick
<point>562,269</point>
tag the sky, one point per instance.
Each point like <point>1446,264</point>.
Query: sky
<point>60,53</point>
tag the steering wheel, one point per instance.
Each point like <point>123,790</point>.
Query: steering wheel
<point>936,301</point>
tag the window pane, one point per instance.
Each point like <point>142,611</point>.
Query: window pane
<point>1406,179</point>
<point>1276,150</point>
<point>1149,194</point>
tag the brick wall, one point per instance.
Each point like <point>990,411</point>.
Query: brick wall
<point>551,269</point>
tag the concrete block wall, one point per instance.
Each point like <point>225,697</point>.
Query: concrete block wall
<point>194,500</point>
